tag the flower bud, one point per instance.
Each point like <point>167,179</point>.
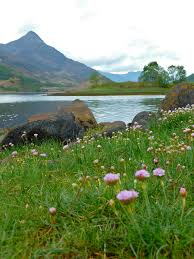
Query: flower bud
<point>52,211</point>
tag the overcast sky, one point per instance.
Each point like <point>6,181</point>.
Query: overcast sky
<point>109,35</point>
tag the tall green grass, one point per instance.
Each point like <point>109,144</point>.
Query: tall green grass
<point>90,222</point>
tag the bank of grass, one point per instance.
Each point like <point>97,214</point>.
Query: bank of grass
<point>90,222</point>
<point>127,88</point>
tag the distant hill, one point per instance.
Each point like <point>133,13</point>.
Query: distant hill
<point>130,76</point>
<point>190,78</point>
<point>12,80</point>
<point>31,56</point>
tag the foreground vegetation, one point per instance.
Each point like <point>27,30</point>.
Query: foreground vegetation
<point>87,217</point>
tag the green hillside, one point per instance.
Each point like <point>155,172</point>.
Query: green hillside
<point>14,81</point>
<point>11,80</point>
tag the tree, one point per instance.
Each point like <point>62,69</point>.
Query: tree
<point>154,73</point>
<point>177,74</point>
<point>95,78</point>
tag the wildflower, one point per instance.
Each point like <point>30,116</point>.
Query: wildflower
<point>99,146</point>
<point>187,130</point>
<point>126,197</point>
<point>192,134</point>
<point>159,172</point>
<point>142,174</point>
<point>35,135</point>
<point>156,161</point>
<point>52,211</point>
<point>188,148</point>
<point>65,147</point>
<point>122,160</point>
<point>43,155</point>
<point>183,192</point>
<point>149,149</point>
<point>35,153</point>
<point>111,203</point>
<point>112,167</point>
<point>102,167</point>
<point>111,179</point>
<point>95,161</point>
<point>14,153</point>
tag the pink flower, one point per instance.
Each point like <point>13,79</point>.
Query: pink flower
<point>35,153</point>
<point>142,174</point>
<point>156,161</point>
<point>52,211</point>
<point>159,172</point>
<point>187,130</point>
<point>111,179</point>
<point>126,197</point>
<point>14,153</point>
<point>192,134</point>
<point>183,192</point>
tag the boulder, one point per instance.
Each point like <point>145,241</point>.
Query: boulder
<point>62,127</point>
<point>81,112</point>
<point>180,96</point>
<point>110,127</point>
<point>143,119</point>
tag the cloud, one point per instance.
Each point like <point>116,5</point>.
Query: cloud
<point>111,34</point>
<point>105,61</point>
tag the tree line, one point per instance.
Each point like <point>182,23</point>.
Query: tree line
<point>155,73</point>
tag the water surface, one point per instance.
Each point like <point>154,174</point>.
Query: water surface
<point>15,109</point>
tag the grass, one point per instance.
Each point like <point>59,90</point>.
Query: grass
<point>127,88</point>
<point>90,222</point>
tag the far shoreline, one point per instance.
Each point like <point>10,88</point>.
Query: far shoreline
<point>102,94</point>
<point>82,94</point>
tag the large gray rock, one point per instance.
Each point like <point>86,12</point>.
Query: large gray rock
<point>180,96</point>
<point>62,127</point>
<point>143,119</point>
<point>109,128</point>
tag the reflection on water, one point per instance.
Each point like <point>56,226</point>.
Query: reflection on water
<point>15,109</point>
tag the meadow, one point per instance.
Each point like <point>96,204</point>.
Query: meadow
<point>112,88</point>
<point>102,197</point>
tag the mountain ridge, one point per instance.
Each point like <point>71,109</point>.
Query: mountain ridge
<point>33,57</point>
<point>119,78</point>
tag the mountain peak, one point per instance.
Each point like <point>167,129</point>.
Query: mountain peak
<point>31,36</point>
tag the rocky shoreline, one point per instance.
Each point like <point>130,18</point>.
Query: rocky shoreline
<point>71,122</point>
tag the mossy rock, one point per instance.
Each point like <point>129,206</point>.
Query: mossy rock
<point>180,96</point>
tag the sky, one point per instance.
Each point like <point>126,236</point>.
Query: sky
<point>109,35</point>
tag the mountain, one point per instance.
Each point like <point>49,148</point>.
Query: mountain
<point>12,80</point>
<point>190,78</point>
<point>130,76</point>
<point>33,57</point>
